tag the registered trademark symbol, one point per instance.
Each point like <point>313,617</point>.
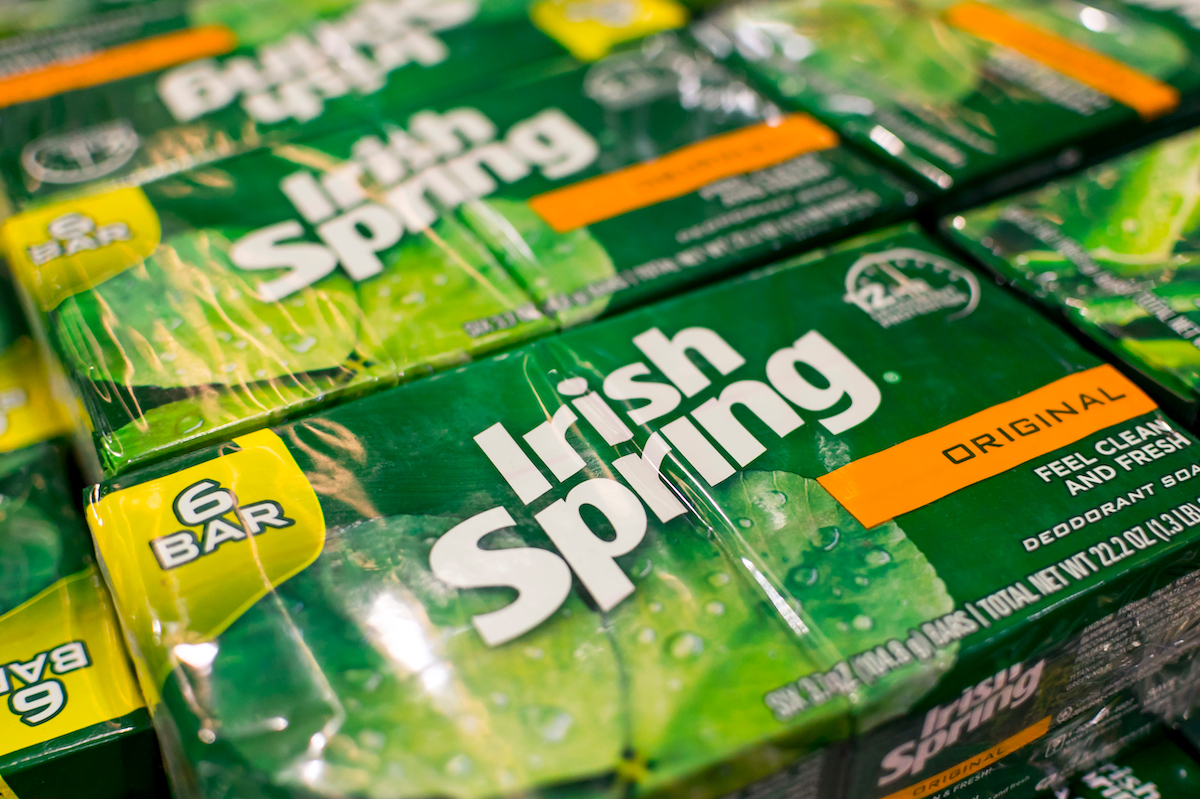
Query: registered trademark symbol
<point>891,377</point>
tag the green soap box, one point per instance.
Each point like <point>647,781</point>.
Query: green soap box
<point>1111,250</point>
<point>72,718</point>
<point>223,77</point>
<point>239,293</point>
<point>856,525</point>
<point>972,99</point>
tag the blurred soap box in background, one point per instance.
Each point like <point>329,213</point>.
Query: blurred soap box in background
<point>72,719</point>
<point>235,293</point>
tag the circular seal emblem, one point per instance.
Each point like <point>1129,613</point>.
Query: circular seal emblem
<point>631,79</point>
<point>81,155</point>
<point>900,284</point>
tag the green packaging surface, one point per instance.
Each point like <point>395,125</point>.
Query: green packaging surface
<point>1113,249</point>
<point>72,719</point>
<point>856,525</point>
<point>1189,727</point>
<point>226,297</point>
<point>968,94</point>
<point>39,34</point>
<point>1158,769</point>
<point>238,75</point>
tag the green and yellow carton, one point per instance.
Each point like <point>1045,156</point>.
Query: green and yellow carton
<point>72,719</point>
<point>229,296</point>
<point>1115,251</point>
<point>857,525</point>
<point>966,96</point>
<point>1157,769</point>
<point>233,75</point>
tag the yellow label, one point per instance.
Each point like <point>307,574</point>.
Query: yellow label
<point>590,28</point>
<point>1148,96</point>
<point>916,472</point>
<point>189,553</point>
<point>973,765</point>
<point>64,664</point>
<point>29,411</point>
<point>69,247</point>
<point>681,171</point>
<point>5,791</point>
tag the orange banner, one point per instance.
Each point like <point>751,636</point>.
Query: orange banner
<point>682,171</point>
<point>919,471</point>
<point>1146,95</point>
<point>975,764</point>
<point>115,63</point>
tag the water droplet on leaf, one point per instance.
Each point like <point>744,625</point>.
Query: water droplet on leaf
<point>458,766</point>
<point>828,537</point>
<point>551,723</point>
<point>878,557</point>
<point>803,576</point>
<point>189,424</point>
<point>304,345</point>
<point>685,645</point>
<point>372,739</point>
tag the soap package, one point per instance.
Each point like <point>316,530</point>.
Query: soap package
<point>234,294</point>
<point>229,76</point>
<point>72,718</point>
<point>1111,251</point>
<point>971,98</point>
<point>1159,767</point>
<point>855,525</point>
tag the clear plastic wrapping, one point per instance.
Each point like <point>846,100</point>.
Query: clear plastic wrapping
<point>771,535</point>
<point>235,294</point>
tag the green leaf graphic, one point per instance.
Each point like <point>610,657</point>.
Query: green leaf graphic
<point>434,287</point>
<point>426,708</point>
<point>546,263</point>
<point>861,588</point>
<point>188,317</point>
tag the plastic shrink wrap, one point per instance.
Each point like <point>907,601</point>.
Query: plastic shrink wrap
<point>203,304</point>
<point>1113,250</point>
<point>857,525</point>
<point>220,77</point>
<point>1158,768</point>
<point>72,719</point>
<point>972,97</point>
